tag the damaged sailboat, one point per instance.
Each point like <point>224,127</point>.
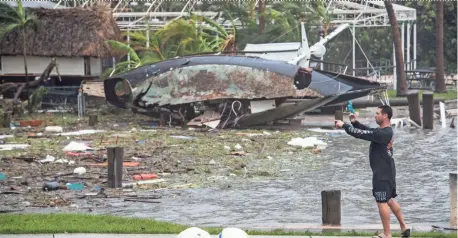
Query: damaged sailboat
<point>223,91</point>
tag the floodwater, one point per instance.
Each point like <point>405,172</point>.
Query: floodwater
<point>423,159</point>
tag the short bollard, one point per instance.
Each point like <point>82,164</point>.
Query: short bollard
<point>331,207</point>
<point>414,107</point>
<point>428,110</point>
<point>92,120</point>
<point>115,158</point>
<point>453,218</point>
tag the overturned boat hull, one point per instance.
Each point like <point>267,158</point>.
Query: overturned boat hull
<point>229,86</point>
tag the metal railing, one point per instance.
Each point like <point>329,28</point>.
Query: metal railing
<point>329,66</point>
<point>60,96</point>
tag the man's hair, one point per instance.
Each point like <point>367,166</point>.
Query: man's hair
<point>386,110</point>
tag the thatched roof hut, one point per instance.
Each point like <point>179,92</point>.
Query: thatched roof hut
<point>72,32</point>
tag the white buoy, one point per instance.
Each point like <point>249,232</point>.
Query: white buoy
<point>231,232</point>
<point>194,232</point>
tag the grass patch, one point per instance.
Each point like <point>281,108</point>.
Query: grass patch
<point>84,223</point>
<point>449,95</point>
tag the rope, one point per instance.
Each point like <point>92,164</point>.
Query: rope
<point>240,106</point>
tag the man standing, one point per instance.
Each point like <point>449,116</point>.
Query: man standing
<point>382,165</point>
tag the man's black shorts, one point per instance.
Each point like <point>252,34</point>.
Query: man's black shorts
<point>384,190</point>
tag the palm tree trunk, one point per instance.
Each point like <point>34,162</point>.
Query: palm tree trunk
<point>401,76</point>
<point>24,50</point>
<point>261,16</point>
<point>252,2</point>
<point>440,79</point>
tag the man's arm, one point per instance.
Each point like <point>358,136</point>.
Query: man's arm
<point>369,135</point>
<point>357,124</point>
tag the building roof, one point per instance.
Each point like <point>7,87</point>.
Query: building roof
<point>290,49</point>
<point>35,4</point>
<point>67,32</point>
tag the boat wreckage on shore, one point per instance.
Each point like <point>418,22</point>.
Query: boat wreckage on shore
<point>223,91</point>
<point>230,91</point>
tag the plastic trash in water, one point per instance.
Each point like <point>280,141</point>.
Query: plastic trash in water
<point>51,186</point>
<point>98,188</point>
<point>54,129</point>
<point>194,232</point>
<point>81,132</point>
<point>76,146</point>
<point>79,171</point>
<point>3,176</point>
<point>13,146</point>
<point>144,176</point>
<point>308,142</point>
<point>75,186</point>
<point>141,142</point>
<point>49,158</point>
<point>232,233</point>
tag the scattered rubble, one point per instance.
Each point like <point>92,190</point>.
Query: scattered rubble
<point>68,171</point>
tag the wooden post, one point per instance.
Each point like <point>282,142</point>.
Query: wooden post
<point>162,119</point>
<point>338,114</point>
<point>92,120</point>
<point>6,119</point>
<point>453,197</point>
<point>115,159</point>
<point>414,107</point>
<point>428,110</point>
<point>330,207</point>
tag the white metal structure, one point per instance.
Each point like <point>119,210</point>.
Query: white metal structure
<point>373,14</point>
<point>152,18</point>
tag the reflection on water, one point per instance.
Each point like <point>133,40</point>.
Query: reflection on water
<point>423,160</point>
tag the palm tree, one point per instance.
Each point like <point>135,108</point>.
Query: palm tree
<point>18,18</point>
<point>319,9</point>
<point>195,35</point>
<point>124,66</point>
<point>401,76</point>
<point>180,37</point>
<point>440,79</point>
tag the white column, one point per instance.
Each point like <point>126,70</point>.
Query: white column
<point>128,43</point>
<point>321,64</point>
<point>147,36</point>
<point>367,67</point>
<point>415,45</point>
<point>394,69</point>
<point>408,47</point>
<point>353,48</point>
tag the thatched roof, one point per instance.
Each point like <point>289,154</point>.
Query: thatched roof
<point>66,32</point>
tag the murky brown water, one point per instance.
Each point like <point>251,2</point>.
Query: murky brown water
<point>423,159</point>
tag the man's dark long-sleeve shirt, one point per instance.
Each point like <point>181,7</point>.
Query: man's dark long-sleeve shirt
<point>380,151</point>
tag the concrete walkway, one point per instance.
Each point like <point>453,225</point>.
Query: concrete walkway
<point>148,236</point>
